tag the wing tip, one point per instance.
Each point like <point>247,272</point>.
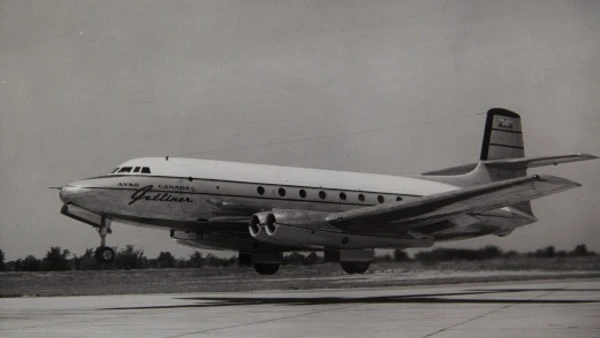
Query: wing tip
<point>586,156</point>
<point>557,180</point>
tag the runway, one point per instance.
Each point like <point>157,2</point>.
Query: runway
<point>565,308</point>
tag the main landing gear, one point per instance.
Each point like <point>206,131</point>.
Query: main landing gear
<point>355,267</point>
<point>104,254</point>
<point>356,261</point>
<point>263,263</point>
<point>266,269</point>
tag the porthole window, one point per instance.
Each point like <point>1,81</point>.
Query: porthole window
<point>343,196</point>
<point>260,190</point>
<point>380,199</point>
<point>398,198</point>
<point>302,193</point>
<point>322,194</point>
<point>281,192</point>
<point>361,197</point>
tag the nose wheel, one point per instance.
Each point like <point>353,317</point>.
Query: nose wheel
<point>104,254</point>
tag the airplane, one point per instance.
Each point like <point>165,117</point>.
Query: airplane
<point>263,211</point>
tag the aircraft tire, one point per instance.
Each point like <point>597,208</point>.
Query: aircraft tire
<point>355,267</point>
<point>104,254</point>
<point>266,269</point>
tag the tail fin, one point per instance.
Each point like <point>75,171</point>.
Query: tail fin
<point>503,139</point>
<point>503,136</point>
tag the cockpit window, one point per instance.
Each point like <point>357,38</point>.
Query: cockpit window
<point>125,170</point>
<point>136,170</point>
<point>115,170</point>
<point>145,170</point>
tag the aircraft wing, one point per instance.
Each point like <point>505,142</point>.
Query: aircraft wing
<point>410,215</point>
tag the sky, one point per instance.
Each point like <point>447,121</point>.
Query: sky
<point>86,85</point>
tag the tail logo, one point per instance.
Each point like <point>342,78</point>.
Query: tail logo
<point>505,123</point>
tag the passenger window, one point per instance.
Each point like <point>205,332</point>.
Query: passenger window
<point>322,194</point>
<point>145,170</point>
<point>398,198</point>
<point>281,192</point>
<point>260,190</point>
<point>342,196</point>
<point>136,170</point>
<point>125,170</point>
<point>380,199</point>
<point>361,197</point>
<point>302,193</point>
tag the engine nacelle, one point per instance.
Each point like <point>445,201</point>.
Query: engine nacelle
<point>309,229</point>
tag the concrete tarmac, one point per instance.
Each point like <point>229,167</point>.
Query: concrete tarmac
<point>565,308</point>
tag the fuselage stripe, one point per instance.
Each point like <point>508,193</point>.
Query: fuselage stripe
<point>236,196</point>
<point>257,184</point>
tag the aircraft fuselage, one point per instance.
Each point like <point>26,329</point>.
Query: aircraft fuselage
<point>214,196</point>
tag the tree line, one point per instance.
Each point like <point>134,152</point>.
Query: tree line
<point>58,259</point>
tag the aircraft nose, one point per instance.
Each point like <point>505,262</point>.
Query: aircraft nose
<point>68,193</point>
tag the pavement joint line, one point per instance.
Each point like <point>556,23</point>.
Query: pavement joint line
<point>489,313</point>
<point>257,322</point>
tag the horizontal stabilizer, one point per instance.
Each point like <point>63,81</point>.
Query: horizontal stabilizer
<point>520,163</point>
<point>533,162</point>
<point>460,170</point>
<point>410,215</point>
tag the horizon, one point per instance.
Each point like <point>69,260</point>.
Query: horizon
<point>379,253</point>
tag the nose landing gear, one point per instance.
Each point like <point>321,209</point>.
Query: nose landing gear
<point>104,254</point>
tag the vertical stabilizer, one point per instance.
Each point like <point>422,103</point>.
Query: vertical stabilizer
<point>503,136</point>
<point>502,139</point>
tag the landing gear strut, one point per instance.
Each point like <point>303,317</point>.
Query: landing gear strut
<point>103,253</point>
